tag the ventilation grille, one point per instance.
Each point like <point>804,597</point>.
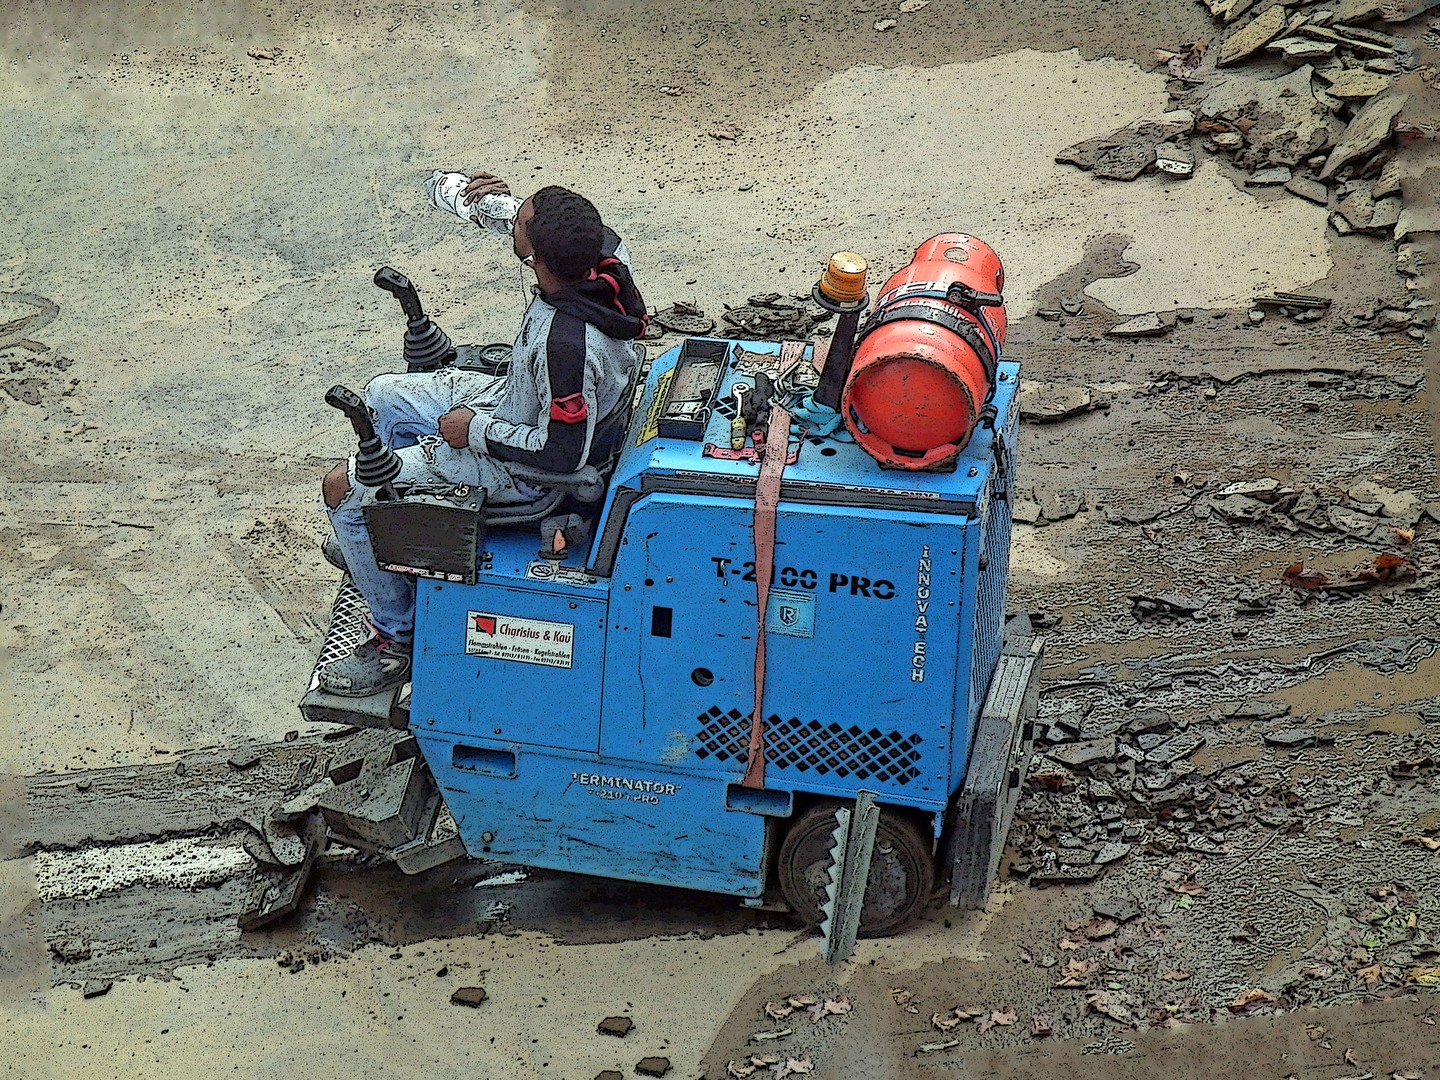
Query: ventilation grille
<point>809,746</point>
<point>349,626</point>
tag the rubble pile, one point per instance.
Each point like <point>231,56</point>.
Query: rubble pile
<point>1366,512</point>
<point>1325,132</point>
<point>772,317</point>
<point>1092,801</point>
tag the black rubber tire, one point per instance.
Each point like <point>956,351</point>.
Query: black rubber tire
<point>902,872</point>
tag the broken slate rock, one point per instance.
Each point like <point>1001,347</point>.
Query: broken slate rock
<point>618,1026</point>
<point>1353,84</point>
<point>1120,908</point>
<point>1125,161</point>
<point>244,759</point>
<point>610,1074</point>
<point>1181,746</point>
<point>1273,177</point>
<point>1254,36</point>
<point>1367,132</point>
<point>1026,512</point>
<point>1079,754</point>
<point>1173,160</point>
<point>1151,325</point>
<point>1112,852</point>
<point>1309,190</point>
<point>653,1066</point>
<point>94,988</point>
<point>1265,487</point>
<point>1299,50</point>
<point>1047,402</point>
<point>469,996</point>
<point>1256,710</point>
<point>1290,738</point>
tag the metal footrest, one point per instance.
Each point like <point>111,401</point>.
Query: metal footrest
<point>349,626</point>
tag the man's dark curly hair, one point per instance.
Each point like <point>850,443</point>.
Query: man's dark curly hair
<point>565,232</point>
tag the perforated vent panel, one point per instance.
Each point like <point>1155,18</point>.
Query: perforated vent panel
<point>812,747</point>
<point>349,626</point>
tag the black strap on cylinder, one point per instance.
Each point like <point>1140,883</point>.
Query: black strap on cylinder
<point>961,328</point>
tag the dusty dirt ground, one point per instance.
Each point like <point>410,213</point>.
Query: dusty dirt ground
<point>184,269</point>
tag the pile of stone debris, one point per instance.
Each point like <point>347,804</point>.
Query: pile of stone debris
<point>764,317</point>
<point>1326,132</point>
<point>1092,801</point>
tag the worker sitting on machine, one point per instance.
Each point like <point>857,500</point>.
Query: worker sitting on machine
<point>571,369</point>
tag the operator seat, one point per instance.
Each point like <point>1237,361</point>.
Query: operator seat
<point>582,491</point>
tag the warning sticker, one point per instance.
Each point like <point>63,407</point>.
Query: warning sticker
<point>651,429</point>
<point>525,641</point>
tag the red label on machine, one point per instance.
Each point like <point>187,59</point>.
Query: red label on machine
<point>523,641</point>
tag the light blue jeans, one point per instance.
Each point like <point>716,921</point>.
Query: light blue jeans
<point>407,408</point>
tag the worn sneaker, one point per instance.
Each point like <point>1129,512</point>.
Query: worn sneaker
<point>376,664</point>
<point>330,549</point>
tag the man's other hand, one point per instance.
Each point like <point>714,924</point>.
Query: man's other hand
<point>455,427</point>
<point>482,184</point>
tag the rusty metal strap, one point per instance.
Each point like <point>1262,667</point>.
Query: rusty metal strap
<point>767,498</point>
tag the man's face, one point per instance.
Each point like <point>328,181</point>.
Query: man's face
<point>521,233</point>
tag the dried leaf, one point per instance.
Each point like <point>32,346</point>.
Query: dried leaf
<point>801,1002</point>
<point>910,6</point>
<point>1114,1004</point>
<point>1076,973</point>
<point>771,1036</point>
<point>801,1066</point>
<point>1350,1058</point>
<point>1251,999</point>
<point>1040,1025</point>
<point>1178,975</point>
<point>886,24</point>
<point>1004,1017</point>
<point>1191,888</point>
<point>1372,974</point>
<point>904,998</point>
<point>1071,944</point>
<point>261,54</point>
<point>1430,843</point>
<point>944,1022</point>
<point>1314,1032</point>
<point>936,1047</point>
<point>1318,971</point>
<point>776,1011</point>
<point>740,1070</point>
<point>1100,929</point>
<point>1407,1074</point>
<point>728,132</point>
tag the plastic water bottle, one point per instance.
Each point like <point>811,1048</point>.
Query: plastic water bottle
<point>446,191</point>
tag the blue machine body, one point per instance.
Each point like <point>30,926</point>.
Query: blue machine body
<point>593,716</point>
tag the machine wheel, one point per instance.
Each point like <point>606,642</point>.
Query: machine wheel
<point>902,872</point>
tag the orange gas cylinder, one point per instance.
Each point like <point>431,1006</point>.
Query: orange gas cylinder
<point>925,359</point>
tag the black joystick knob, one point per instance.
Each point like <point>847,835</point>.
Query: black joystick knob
<point>427,347</point>
<point>376,465</point>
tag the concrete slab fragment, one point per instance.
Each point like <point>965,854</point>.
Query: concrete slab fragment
<point>1254,36</point>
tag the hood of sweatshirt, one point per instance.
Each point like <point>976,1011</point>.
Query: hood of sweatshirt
<point>607,300</point>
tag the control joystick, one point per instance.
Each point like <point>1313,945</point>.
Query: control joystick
<point>427,347</point>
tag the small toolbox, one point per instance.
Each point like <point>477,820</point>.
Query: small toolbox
<point>690,392</point>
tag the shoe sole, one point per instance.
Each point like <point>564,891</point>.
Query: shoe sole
<point>347,692</point>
